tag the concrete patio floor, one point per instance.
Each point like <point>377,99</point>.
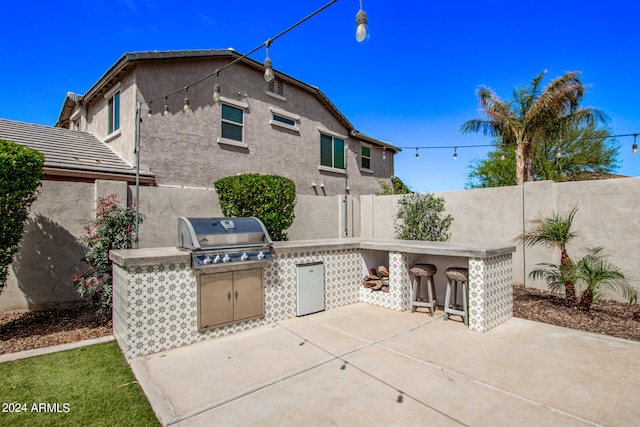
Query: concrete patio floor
<point>362,365</point>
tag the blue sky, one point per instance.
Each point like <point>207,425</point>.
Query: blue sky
<point>412,84</point>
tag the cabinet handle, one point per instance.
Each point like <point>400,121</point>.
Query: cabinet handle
<point>236,295</point>
<point>229,296</point>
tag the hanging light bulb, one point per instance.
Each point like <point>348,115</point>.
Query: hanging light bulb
<point>502,157</point>
<point>149,111</point>
<point>186,108</point>
<point>559,152</point>
<point>455,153</point>
<point>269,75</point>
<point>417,155</point>
<point>216,92</point>
<point>362,26</point>
<point>634,146</point>
<point>166,108</point>
<point>384,153</point>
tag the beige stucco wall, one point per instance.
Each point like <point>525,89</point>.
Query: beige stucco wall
<point>50,253</point>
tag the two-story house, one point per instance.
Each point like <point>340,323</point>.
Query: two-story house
<point>284,127</point>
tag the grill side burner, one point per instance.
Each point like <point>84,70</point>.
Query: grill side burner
<point>227,256</point>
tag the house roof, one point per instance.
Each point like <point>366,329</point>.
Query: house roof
<point>71,154</point>
<point>128,60</point>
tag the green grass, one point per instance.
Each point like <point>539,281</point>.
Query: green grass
<point>92,386</point>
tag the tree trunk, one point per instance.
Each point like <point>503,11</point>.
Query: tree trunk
<point>528,162</point>
<point>569,286</point>
<point>519,164</point>
<point>585,300</point>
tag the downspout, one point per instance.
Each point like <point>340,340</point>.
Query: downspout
<point>137,151</point>
<point>346,188</point>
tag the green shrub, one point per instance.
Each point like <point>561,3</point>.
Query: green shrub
<point>113,228</point>
<point>419,217</point>
<point>20,175</point>
<point>270,198</point>
<point>393,186</point>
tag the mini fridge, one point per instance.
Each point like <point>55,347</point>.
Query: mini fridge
<point>310,288</point>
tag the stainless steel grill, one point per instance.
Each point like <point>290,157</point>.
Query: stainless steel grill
<point>215,241</point>
<point>227,256</point>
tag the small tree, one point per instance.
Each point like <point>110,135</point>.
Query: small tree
<point>555,232</point>
<point>270,198</point>
<point>113,228</point>
<point>420,217</point>
<point>20,175</point>
<point>595,278</point>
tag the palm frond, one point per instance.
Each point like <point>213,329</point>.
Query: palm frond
<point>554,231</point>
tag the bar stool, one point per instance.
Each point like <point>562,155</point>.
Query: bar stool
<point>419,271</point>
<point>455,275</point>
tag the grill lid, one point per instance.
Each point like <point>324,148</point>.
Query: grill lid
<point>218,233</point>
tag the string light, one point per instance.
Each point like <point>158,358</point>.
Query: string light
<point>149,111</point>
<point>384,153</point>
<point>269,75</point>
<point>166,107</point>
<point>268,64</point>
<point>455,153</point>
<point>634,146</point>
<point>362,26</point>
<point>186,108</point>
<point>558,152</point>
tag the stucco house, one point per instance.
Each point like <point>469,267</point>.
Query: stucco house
<point>284,127</point>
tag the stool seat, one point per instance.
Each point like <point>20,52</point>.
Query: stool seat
<point>427,271</point>
<point>455,275</point>
<point>423,269</point>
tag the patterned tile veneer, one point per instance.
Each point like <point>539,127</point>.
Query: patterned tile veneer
<point>155,306</point>
<point>490,292</point>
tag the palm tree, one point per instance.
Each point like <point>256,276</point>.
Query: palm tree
<point>598,279</point>
<point>534,115</point>
<point>555,232</point>
<point>594,276</point>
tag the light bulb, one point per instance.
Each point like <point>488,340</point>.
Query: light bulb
<point>186,107</point>
<point>166,111</point>
<point>634,148</point>
<point>216,92</point>
<point>455,153</point>
<point>362,27</point>
<point>269,75</point>
<point>149,113</point>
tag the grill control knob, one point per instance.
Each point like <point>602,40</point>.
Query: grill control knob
<point>226,258</point>
<point>261,255</point>
<point>207,260</point>
<point>216,259</point>
<point>244,256</point>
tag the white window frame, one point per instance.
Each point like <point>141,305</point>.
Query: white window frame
<point>334,135</point>
<point>293,117</point>
<point>362,156</point>
<point>112,134</point>
<point>242,106</point>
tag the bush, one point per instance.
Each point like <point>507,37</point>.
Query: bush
<point>270,198</point>
<point>419,217</point>
<point>393,186</point>
<point>113,228</point>
<point>20,175</point>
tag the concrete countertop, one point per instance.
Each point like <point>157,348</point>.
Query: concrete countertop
<point>172,255</point>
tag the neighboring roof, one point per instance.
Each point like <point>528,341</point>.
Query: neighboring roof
<point>128,60</point>
<point>70,153</point>
<point>71,101</point>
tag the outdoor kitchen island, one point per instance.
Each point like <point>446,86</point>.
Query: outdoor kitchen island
<point>156,295</point>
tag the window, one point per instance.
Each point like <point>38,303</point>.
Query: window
<point>365,156</point>
<point>232,122</point>
<point>284,119</point>
<point>114,112</point>
<point>331,151</point>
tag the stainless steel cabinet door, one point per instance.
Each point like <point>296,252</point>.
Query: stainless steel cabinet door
<point>215,302</point>
<point>248,294</point>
